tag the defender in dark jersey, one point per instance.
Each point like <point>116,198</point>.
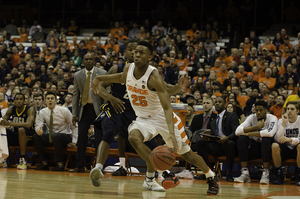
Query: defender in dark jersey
<point>22,123</point>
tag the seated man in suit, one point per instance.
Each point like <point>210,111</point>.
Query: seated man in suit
<point>202,121</point>
<point>255,140</point>
<point>62,132</point>
<point>224,127</point>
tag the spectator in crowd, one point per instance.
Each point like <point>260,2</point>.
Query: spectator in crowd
<point>210,33</point>
<point>268,80</point>
<point>277,41</point>
<point>73,29</point>
<point>33,27</point>
<point>286,40</point>
<point>277,108</point>
<point>286,145</point>
<point>255,139</point>
<point>296,42</point>
<point>132,34</point>
<point>191,34</point>
<point>159,27</point>
<point>224,127</point>
<point>8,41</point>
<point>57,121</point>
<point>289,73</point>
<point>253,39</point>
<point>22,126</point>
<point>68,100</point>
<point>11,28</point>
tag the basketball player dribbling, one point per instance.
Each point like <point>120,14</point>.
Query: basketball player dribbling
<point>150,101</point>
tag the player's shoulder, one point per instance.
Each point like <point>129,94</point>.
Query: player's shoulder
<point>99,70</point>
<point>272,117</point>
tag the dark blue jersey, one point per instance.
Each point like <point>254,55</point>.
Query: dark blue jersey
<point>19,117</point>
<point>119,90</point>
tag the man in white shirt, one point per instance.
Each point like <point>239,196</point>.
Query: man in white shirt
<point>287,141</point>
<point>62,132</point>
<point>255,139</point>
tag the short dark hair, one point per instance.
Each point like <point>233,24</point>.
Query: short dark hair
<point>20,94</point>
<point>261,103</point>
<point>147,44</point>
<point>50,93</point>
<point>282,97</point>
<point>67,95</point>
<point>294,103</point>
<point>131,41</point>
<point>38,95</point>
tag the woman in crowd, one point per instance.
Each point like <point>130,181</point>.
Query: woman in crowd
<point>279,65</point>
<point>277,41</point>
<point>233,82</point>
<point>189,116</point>
<point>231,74</point>
<point>291,86</point>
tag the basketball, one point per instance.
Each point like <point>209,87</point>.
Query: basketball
<point>162,158</point>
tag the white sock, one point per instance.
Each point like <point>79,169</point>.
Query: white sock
<point>122,162</point>
<point>245,170</point>
<point>266,170</point>
<point>209,173</point>
<point>150,175</point>
<point>99,165</point>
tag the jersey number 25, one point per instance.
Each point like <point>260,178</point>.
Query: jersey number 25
<point>139,100</point>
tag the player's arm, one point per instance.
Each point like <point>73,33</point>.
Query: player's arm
<point>182,82</point>
<point>111,78</point>
<point>115,102</point>
<point>156,82</point>
<point>7,114</point>
<point>29,122</point>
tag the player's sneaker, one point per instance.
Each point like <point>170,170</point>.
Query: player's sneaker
<point>243,178</point>
<point>213,187</point>
<point>170,180</point>
<point>120,172</point>
<point>22,164</point>
<point>152,185</point>
<point>3,164</point>
<point>279,177</point>
<point>265,177</point>
<point>96,176</point>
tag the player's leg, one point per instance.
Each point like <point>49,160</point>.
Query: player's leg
<point>276,155</point>
<point>140,131</point>
<point>122,147</point>
<point>266,154</point>
<point>23,145</point>
<point>298,164</point>
<point>109,129</point>
<point>243,150</point>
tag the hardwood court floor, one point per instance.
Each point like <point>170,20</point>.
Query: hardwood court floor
<point>31,184</point>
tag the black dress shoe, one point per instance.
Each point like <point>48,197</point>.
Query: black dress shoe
<point>58,168</point>
<point>42,167</point>
<point>229,178</point>
<point>77,170</point>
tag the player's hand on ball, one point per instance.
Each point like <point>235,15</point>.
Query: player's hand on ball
<point>117,104</point>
